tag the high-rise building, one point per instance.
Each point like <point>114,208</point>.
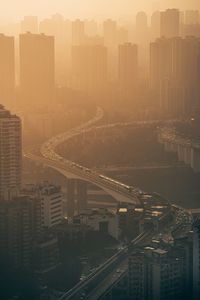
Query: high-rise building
<point>170,23</point>
<point>89,68</point>
<point>141,23</point>
<point>196,260</point>
<point>24,240</point>
<point>174,71</point>
<point>184,244</point>
<point>142,39</point>
<point>46,254</point>
<point>29,24</point>
<point>191,23</point>
<point>60,28</point>
<point>192,30</point>
<point>10,153</point>
<point>7,67</point>
<point>156,274</point>
<point>155,25</point>
<point>37,69</point>
<point>160,62</point>
<point>78,32</point>
<point>20,226</point>
<point>91,28</point>
<point>128,67</point>
<point>122,35</point>
<point>110,32</point>
<point>192,17</point>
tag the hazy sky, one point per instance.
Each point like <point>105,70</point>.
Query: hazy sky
<point>15,9</point>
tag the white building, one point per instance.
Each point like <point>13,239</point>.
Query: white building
<point>51,199</point>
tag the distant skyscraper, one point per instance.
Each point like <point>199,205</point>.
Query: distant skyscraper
<point>89,67</point>
<point>10,153</point>
<point>7,69</point>
<point>142,39</point>
<point>29,24</point>
<point>78,32</point>
<point>174,73</point>
<point>141,21</point>
<point>128,67</point>
<point>91,28</point>
<point>141,27</point>
<point>60,28</point>
<point>37,69</point>
<point>191,26</point>
<point>170,23</point>
<point>110,32</point>
<point>160,62</point>
<point>155,25</point>
<point>122,35</point>
<point>46,27</point>
<point>192,17</point>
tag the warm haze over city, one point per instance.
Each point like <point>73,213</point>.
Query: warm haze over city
<point>100,150</point>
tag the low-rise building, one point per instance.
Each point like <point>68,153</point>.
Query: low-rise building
<point>101,220</point>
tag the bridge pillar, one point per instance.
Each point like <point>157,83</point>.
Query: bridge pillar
<point>187,155</point>
<point>195,161</point>
<point>71,197</point>
<point>180,153</point>
<point>81,195</point>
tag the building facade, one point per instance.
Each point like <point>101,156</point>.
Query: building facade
<point>10,153</point>
<point>7,67</point>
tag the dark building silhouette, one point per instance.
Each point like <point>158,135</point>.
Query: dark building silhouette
<point>19,227</point>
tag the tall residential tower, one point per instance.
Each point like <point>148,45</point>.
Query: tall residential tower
<point>10,153</point>
<point>37,68</point>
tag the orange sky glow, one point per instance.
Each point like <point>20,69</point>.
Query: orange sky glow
<point>16,9</point>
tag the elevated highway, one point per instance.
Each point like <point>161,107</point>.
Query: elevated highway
<point>48,157</point>
<point>187,149</point>
<point>98,282</point>
<point>92,285</point>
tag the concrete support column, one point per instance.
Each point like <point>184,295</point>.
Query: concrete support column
<point>180,153</point>
<point>81,195</point>
<point>195,161</point>
<point>71,184</point>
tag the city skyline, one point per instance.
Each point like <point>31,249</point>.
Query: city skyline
<point>14,10</point>
<point>100,150</point>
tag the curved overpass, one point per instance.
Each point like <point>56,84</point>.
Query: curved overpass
<point>119,191</point>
